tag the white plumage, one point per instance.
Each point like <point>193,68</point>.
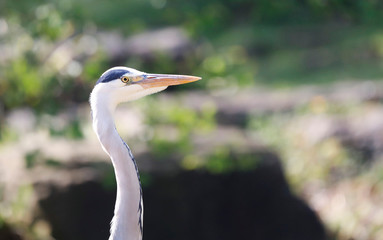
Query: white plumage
<point>117,85</point>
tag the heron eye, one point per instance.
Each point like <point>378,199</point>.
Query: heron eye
<point>125,79</point>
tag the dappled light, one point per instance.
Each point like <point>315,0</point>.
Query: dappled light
<point>283,134</point>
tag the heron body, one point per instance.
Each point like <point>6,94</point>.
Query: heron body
<point>118,85</point>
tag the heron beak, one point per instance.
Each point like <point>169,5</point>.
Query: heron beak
<point>161,80</point>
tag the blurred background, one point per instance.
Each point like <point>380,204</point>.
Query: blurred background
<point>282,139</point>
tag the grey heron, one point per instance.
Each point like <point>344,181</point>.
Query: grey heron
<point>117,85</point>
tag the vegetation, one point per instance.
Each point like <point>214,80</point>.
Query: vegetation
<point>52,52</point>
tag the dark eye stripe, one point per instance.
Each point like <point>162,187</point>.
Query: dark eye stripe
<point>111,75</point>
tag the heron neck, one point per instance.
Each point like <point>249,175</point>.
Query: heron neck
<point>127,220</point>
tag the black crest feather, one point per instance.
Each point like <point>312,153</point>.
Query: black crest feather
<point>112,75</point>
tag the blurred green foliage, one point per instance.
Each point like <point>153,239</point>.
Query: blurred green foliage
<point>45,65</point>
<point>72,130</point>
<point>225,159</point>
<point>31,158</point>
<point>179,124</point>
<point>241,42</point>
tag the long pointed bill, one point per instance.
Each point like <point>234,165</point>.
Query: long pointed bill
<point>161,80</point>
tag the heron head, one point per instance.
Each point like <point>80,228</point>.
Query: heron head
<point>122,84</point>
